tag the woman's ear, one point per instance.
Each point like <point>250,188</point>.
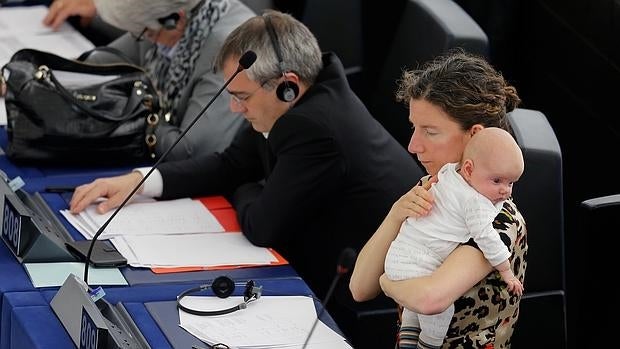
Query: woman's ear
<point>474,129</point>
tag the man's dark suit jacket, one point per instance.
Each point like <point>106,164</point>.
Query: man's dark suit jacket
<point>331,174</point>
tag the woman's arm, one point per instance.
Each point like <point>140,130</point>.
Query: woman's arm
<point>463,269</point>
<point>364,284</point>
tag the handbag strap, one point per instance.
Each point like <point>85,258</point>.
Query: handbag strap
<point>85,108</point>
<point>112,50</point>
<point>56,62</point>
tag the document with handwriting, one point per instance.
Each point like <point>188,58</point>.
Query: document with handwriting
<point>181,216</point>
<point>269,322</point>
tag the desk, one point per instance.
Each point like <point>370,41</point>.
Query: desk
<point>29,321</point>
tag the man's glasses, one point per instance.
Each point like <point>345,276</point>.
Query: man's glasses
<point>146,33</point>
<point>242,98</point>
<point>140,36</point>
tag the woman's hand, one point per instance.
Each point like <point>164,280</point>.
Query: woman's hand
<point>115,189</point>
<point>60,10</point>
<point>417,202</point>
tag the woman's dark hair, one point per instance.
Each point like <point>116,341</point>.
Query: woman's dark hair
<point>465,86</point>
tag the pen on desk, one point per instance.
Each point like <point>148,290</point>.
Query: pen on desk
<point>59,189</point>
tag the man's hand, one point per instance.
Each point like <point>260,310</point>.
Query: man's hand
<point>60,10</point>
<point>115,189</point>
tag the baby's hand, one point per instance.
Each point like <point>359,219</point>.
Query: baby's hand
<point>514,285</point>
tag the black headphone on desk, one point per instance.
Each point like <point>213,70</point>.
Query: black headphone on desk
<point>222,287</point>
<point>287,91</point>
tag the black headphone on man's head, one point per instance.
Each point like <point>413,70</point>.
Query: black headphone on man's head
<point>287,91</point>
<point>222,287</point>
<point>169,22</point>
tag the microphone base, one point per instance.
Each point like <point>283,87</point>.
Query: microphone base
<point>93,324</point>
<point>104,253</point>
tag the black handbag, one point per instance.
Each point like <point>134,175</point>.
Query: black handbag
<point>108,117</point>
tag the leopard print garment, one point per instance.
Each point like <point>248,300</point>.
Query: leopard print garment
<point>486,315</point>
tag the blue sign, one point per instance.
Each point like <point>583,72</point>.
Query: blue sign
<point>11,226</point>
<point>90,334</point>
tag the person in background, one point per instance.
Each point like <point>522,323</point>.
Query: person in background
<point>176,41</point>
<point>315,173</point>
<point>468,197</point>
<point>450,99</point>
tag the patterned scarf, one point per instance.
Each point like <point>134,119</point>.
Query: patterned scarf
<point>171,74</point>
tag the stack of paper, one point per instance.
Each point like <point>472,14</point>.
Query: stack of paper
<point>171,234</point>
<point>269,322</point>
<point>181,216</point>
<point>183,250</point>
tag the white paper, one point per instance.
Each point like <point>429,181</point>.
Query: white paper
<point>27,20</point>
<point>269,322</point>
<point>205,250</point>
<point>181,216</point>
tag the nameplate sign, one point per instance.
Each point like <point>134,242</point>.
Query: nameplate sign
<point>91,336</point>
<point>11,227</point>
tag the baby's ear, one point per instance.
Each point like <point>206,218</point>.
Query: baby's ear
<point>467,167</point>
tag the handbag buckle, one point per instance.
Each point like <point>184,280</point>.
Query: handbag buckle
<point>152,119</point>
<point>43,72</point>
<point>151,139</point>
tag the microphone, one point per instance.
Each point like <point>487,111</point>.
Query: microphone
<point>346,261</point>
<point>245,62</point>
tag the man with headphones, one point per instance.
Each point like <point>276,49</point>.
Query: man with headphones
<point>176,42</point>
<point>315,174</point>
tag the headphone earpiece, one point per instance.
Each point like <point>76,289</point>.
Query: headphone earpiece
<point>222,287</point>
<point>286,91</point>
<point>169,22</point>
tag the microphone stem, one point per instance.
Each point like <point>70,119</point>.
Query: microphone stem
<point>324,305</point>
<point>161,158</point>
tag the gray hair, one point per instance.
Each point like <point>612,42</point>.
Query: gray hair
<point>298,48</point>
<point>135,15</point>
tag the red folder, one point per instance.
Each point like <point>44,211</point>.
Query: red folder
<point>226,215</point>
